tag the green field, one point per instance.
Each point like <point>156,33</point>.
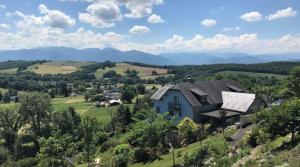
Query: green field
<point>254,74</point>
<point>57,67</point>
<point>9,71</point>
<point>144,72</point>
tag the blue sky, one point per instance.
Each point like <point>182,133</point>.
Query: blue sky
<point>155,26</point>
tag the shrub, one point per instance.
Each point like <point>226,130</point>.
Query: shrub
<point>188,130</point>
<point>122,155</point>
<point>101,137</point>
<point>257,137</point>
<point>195,157</point>
<point>3,154</point>
<point>224,162</point>
<point>141,155</point>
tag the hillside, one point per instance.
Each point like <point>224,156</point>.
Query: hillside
<point>143,72</point>
<point>111,54</point>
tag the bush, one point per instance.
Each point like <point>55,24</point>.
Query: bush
<point>257,137</point>
<point>122,155</point>
<point>141,155</point>
<point>3,154</point>
<point>195,157</point>
<point>101,137</point>
<point>188,130</point>
<point>224,162</point>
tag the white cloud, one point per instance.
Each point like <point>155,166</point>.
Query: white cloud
<point>154,19</point>
<point>288,12</point>
<point>139,8</point>
<point>101,15</point>
<point>56,37</point>
<point>4,26</point>
<point>251,16</point>
<point>2,6</point>
<point>55,18</point>
<point>227,29</point>
<point>139,30</point>
<point>209,22</point>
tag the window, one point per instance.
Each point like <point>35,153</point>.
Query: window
<point>203,98</point>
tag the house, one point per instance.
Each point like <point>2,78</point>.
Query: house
<point>205,99</point>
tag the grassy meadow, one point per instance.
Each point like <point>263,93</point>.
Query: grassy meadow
<point>56,67</point>
<point>144,72</point>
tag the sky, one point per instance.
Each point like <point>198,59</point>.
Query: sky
<point>153,26</point>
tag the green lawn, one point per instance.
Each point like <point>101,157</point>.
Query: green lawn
<point>9,71</point>
<point>77,102</point>
<point>253,74</point>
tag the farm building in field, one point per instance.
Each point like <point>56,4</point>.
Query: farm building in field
<point>206,99</point>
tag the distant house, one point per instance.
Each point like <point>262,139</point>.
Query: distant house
<point>205,99</point>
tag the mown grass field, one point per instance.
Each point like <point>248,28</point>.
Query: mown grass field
<point>144,72</point>
<point>254,74</point>
<point>57,67</point>
<point>9,71</point>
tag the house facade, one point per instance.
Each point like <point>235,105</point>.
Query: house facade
<point>203,99</point>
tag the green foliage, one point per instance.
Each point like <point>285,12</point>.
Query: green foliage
<point>1,96</point>
<point>151,134</point>
<point>189,131</point>
<point>281,120</point>
<point>90,127</point>
<point>195,157</point>
<point>35,109</point>
<point>128,93</point>
<point>122,155</point>
<point>66,121</point>
<point>4,154</point>
<point>257,137</point>
<point>121,118</point>
<point>141,89</point>
<point>51,152</point>
<point>9,125</point>
<point>294,82</point>
<point>6,97</point>
<point>141,155</point>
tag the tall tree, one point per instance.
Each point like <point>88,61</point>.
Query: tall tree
<point>35,109</point>
<point>9,125</point>
<point>90,126</point>
<point>294,82</point>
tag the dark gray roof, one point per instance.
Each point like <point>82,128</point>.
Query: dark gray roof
<point>216,114</point>
<point>211,88</point>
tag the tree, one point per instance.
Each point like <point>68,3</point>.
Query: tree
<point>281,120</point>
<point>64,89</point>
<point>89,127</point>
<point>6,97</point>
<point>188,130</point>
<point>141,89</point>
<point>122,117</point>
<point>51,152</point>
<point>9,125</point>
<point>35,110</point>
<point>66,121</point>
<point>128,94</point>
<point>1,96</point>
<point>294,82</point>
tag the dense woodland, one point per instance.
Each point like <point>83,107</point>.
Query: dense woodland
<point>33,133</point>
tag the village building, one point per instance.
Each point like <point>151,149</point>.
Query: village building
<point>202,100</point>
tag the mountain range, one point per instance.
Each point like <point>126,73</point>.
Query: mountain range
<point>100,55</point>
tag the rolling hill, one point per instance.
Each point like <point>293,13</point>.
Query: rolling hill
<point>111,54</point>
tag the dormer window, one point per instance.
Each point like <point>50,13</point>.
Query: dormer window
<point>203,98</point>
